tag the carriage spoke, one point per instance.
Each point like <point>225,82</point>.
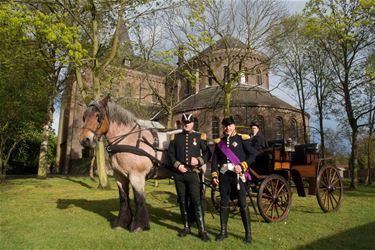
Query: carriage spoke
<point>333,176</point>
<point>333,196</point>
<point>273,208</point>
<point>281,189</point>
<point>277,211</point>
<point>325,198</point>
<point>268,207</point>
<point>332,204</point>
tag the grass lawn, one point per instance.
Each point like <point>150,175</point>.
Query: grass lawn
<point>70,213</point>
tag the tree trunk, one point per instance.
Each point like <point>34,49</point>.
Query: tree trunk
<point>227,97</point>
<point>100,164</point>
<point>321,132</point>
<point>43,152</point>
<point>2,170</point>
<point>369,159</point>
<point>353,162</point>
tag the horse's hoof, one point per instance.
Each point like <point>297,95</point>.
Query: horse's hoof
<point>118,228</point>
<point>136,230</point>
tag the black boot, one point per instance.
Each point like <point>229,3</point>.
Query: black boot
<point>200,223</point>
<point>184,217</point>
<point>245,215</point>
<point>224,213</point>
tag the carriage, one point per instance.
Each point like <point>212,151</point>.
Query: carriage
<point>282,167</point>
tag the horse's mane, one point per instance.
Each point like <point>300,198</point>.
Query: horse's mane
<point>119,114</point>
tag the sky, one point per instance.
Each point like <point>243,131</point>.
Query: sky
<point>295,6</point>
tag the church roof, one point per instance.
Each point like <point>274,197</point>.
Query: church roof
<point>242,95</point>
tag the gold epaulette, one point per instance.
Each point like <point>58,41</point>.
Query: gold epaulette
<point>244,136</point>
<point>203,136</point>
<point>217,140</point>
<point>171,137</point>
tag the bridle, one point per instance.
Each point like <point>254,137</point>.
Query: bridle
<point>101,112</point>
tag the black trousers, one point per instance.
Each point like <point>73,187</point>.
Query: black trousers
<point>188,185</point>
<point>229,189</point>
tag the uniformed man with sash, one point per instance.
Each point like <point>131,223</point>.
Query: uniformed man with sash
<point>233,155</point>
<point>188,152</point>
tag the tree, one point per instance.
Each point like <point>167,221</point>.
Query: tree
<point>53,42</point>
<point>102,23</point>
<point>242,28</point>
<point>293,63</point>
<point>345,30</point>
<point>23,90</point>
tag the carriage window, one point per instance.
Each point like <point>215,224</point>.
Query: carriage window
<point>294,130</point>
<point>279,128</point>
<point>215,128</point>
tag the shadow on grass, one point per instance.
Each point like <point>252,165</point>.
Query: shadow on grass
<point>162,215</point>
<point>76,181</point>
<point>103,208</point>
<point>360,192</point>
<point>361,237</point>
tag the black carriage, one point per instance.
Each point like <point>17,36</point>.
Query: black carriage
<point>282,166</point>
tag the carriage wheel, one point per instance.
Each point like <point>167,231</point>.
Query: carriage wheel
<point>274,198</point>
<point>330,189</point>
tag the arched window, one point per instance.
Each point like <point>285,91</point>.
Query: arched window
<point>215,127</point>
<point>210,77</point>
<point>294,130</point>
<point>178,124</point>
<point>279,128</point>
<point>259,77</point>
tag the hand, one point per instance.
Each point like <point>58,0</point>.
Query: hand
<point>237,169</point>
<point>194,161</point>
<point>182,168</point>
<point>215,182</point>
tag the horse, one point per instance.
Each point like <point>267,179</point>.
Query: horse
<point>134,151</point>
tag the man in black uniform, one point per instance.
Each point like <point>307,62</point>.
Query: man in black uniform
<point>188,152</point>
<point>232,156</point>
<point>259,142</point>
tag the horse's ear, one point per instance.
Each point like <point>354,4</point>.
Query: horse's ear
<point>105,100</point>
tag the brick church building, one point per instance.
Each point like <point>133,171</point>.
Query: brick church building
<point>251,101</point>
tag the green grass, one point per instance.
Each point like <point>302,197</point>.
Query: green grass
<point>70,213</point>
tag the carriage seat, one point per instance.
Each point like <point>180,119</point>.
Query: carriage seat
<point>305,153</point>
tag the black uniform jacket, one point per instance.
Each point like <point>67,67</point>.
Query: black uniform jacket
<point>259,142</point>
<point>240,146</point>
<point>183,146</point>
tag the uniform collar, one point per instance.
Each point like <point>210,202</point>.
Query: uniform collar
<point>233,134</point>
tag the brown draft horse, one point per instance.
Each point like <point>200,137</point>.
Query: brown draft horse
<point>120,128</point>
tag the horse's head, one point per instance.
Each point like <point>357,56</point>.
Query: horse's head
<point>95,123</point>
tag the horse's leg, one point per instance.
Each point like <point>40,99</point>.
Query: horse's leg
<point>140,221</point>
<point>124,217</point>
